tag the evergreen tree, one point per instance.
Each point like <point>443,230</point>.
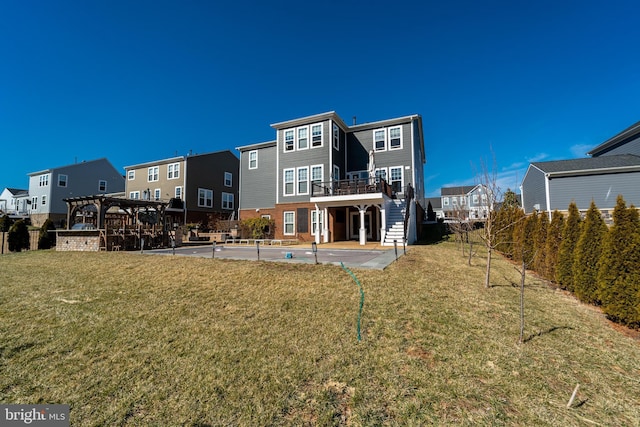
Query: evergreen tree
<point>47,238</point>
<point>570,235</point>
<point>5,223</point>
<point>510,199</point>
<point>554,236</point>
<point>540,244</point>
<point>524,247</point>
<point>18,236</point>
<point>619,268</point>
<point>587,255</point>
<point>431,214</point>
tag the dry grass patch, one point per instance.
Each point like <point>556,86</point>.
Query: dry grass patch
<point>133,339</point>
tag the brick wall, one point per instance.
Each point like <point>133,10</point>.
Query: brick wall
<point>78,241</point>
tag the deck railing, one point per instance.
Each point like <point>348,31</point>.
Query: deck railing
<point>351,186</point>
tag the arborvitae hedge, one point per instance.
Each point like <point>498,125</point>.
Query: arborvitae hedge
<point>18,236</point>
<point>554,236</point>
<point>540,244</point>
<point>587,255</point>
<point>619,268</point>
<point>570,235</point>
<point>524,250</point>
<point>46,238</point>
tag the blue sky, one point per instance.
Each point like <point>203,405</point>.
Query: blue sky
<point>136,81</point>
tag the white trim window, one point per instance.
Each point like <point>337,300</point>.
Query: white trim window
<point>463,200</point>
<point>153,174</point>
<point>381,173</point>
<point>454,200</point>
<point>336,173</point>
<point>134,195</point>
<point>34,203</point>
<point>228,179</point>
<point>227,201</point>
<point>157,194</point>
<point>102,185</point>
<point>303,138</point>
<point>380,139</point>
<point>131,175</point>
<point>336,137</point>
<point>43,200</point>
<point>44,180</point>
<point>173,171</point>
<point>395,138</point>
<point>396,178</point>
<point>253,159</point>
<point>303,180</point>
<point>178,192</point>
<point>205,198</point>
<point>445,201</point>
<point>289,182</point>
<point>316,178</point>
<point>475,199</point>
<point>62,180</point>
<point>316,226</point>
<point>316,135</point>
<point>289,136</point>
<point>289,223</point>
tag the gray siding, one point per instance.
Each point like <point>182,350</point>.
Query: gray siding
<point>258,188</point>
<point>207,171</point>
<point>533,190</point>
<point>629,147</point>
<point>602,189</point>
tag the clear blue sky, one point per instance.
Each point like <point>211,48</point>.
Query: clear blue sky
<point>137,81</point>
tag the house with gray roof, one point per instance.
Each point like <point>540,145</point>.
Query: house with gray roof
<point>613,169</point>
<point>14,202</point>
<point>463,203</point>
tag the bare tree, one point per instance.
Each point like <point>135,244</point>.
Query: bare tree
<point>460,224</point>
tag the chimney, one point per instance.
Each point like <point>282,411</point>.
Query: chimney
<point>354,120</point>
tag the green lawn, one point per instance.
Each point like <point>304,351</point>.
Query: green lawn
<point>130,339</point>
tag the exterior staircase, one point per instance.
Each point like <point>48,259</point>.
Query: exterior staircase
<point>395,223</point>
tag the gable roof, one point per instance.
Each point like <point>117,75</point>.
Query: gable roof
<point>590,165</point>
<point>18,192</point>
<point>84,162</point>
<point>630,132</point>
<point>457,191</point>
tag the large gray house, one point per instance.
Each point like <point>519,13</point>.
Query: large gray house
<point>324,181</point>
<point>613,169</point>
<point>48,188</point>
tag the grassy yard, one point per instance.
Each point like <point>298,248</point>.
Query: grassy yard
<point>130,339</point>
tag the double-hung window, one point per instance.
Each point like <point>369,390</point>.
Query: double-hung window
<point>44,200</point>
<point>316,135</point>
<point>205,198</point>
<point>316,179</point>
<point>289,182</point>
<point>475,199</point>
<point>395,138</point>
<point>62,180</point>
<point>288,140</point>
<point>228,179</point>
<point>173,171</point>
<point>131,175</point>
<point>34,203</point>
<point>134,195</point>
<point>395,178</point>
<point>227,201</point>
<point>336,137</point>
<point>253,159</point>
<point>289,222</point>
<point>317,222</point>
<point>102,185</point>
<point>303,180</point>
<point>157,194</point>
<point>381,173</point>
<point>178,192</point>
<point>379,140</point>
<point>153,173</point>
<point>44,180</point>
<point>303,138</point>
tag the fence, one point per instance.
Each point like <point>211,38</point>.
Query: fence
<point>4,241</point>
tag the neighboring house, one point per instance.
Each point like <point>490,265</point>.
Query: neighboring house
<point>203,186</point>
<point>321,180</point>
<point>48,188</point>
<point>436,205</point>
<point>549,186</point>
<point>14,202</point>
<point>470,202</point>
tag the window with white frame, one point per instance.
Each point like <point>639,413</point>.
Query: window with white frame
<point>475,199</point>
<point>454,200</point>
<point>303,180</point>
<point>44,180</point>
<point>253,159</point>
<point>316,179</point>
<point>44,200</point>
<point>445,201</point>
<point>395,178</point>
<point>288,140</point>
<point>289,223</point>
<point>484,199</point>
<point>62,180</point>
<point>228,179</point>
<point>131,175</point>
<point>157,194</point>
<point>336,137</point>
<point>379,140</point>
<point>205,198</point>
<point>316,135</point>
<point>289,182</point>
<point>227,201</point>
<point>134,195</point>
<point>317,222</point>
<point>381,173</point>
<point>463,200</point>
<point>34,203</point>
<point>303,138</point>
<point>336,173</point>
<point>102,185</point>
<point>173,171</point>
<point>178,192</point>
<point>395,138</point>
<point>153,173</point>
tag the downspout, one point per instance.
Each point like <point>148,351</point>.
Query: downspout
<point>547,194</point>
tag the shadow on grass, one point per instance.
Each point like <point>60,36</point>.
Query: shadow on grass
<point>547,331</point>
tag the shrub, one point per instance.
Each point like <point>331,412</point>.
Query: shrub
<point>540,244</point>
<point>18,236</point>
<point>554,236</point>
<point>619,268</point>
<point>257,228</point>
<point>47,239</point>
<point>587,255</point>
<point>5,223</point>
<point>570,235</point>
